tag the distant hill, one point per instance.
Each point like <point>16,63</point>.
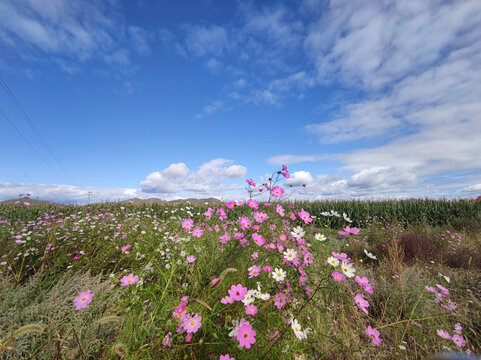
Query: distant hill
<point>30,201</point>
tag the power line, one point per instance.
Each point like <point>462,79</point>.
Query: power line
<point>26,140</point>
<point>29,121</point>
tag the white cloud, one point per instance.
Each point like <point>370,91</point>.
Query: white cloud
<point>210,179</point>
<point>210,109</point>
<point>379,177</point>
<point>473,188</point>
<point>202,40</point>
<point>292,159</point>
<point>419,66</point>
<point>68,193</point>
<point>140,39</point>
<point>75,31</point>
<point>299,178</point>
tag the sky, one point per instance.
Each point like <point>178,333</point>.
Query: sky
<point>187,99</point>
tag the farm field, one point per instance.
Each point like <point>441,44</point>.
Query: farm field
<point>245,280</point>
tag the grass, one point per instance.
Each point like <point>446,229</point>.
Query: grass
<point>50,254</point>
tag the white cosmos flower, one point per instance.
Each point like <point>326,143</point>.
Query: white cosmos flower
<point>290,254</point>
<point>333,261</point>
<point>370,255</point>
<point>298,330</point>
<point>265,297</point>
<point>297,232</point>
<point>347,269</point>
<point>447,278</point>
<point>320,237</point>
<point>344,215</point>
<point>249,298</point>
<point>279,274</point>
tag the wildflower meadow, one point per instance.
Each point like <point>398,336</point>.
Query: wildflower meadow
<point>263,278</point>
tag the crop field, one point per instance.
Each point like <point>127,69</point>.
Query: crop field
<point>240,280</point>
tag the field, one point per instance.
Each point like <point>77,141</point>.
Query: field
<point>299,280</point>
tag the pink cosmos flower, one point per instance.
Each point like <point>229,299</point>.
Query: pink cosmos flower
<point>252,204</point>
<point>430,289</point>
<point>167,341</point>
<point>442,289</point>
<point>260,216</point>
<point>187,224</point>
<point>338,277</point>
<point>341,257</point>
<point>226,357</point>
<point>277,191</point>
<point>190,259</point>
<point>224,238</point>
<point>348,230</point>
<point>129,280</point>
<point>192,324</point>
<point>256,227</point>
<point>280,300</point>
<point>280,210</point>
<point>258,239</point>
<point>125,248</point>
<point>188,338</point>
<point>304,215</point>
<point>84,298</point>
<point>251,182</point>
<point>244,222</point>
<point>374,335</point>
<point>443,334</point>
<point>458,340</point>
<point>246,335</point>
<point>226,300</point>
<point>364,283</point>
<point>255,270</point>
<point>361,303</point>
<point>251,309</point>
<point>267,268</point>
<point>458,328</point>
<point>237,292</point>
<point>197,232</point>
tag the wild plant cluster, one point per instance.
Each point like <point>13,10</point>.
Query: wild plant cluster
<point>242,280</point>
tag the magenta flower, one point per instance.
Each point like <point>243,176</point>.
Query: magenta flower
<point>280,300</point>
<point>197,232</point>
<point>187,224</point>
<point>246,335</point>
<point>338,277</point>
<point>251,309</point>
<point>442,289</point>
<point>192,324</point>
<point>255,270</point>
<point>443,334</point>
<point>226,357</point>
<point>277,191</point>
<point>129,280</point>
<point>237,292</point>
<point>364,283</point>
<point>84,298</point>
<point>280,210</point>
<point>258,239</point>
<point>167,341</point>
<point>267,268</point>
<point>226,300</point>
<point>374,335</point>
<point>304,215</point>
<point>458,340</point>
<point>251,182</point>
<point>244,222</point>
<point>260,216</point>
<point>125,248</point>
<point>252,204</point>
<point>361,303</point>
<point>190,259</point>
<point>224,238</point>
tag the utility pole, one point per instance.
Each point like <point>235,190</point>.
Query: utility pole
<point>88,201</point>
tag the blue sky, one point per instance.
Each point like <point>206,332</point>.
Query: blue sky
<point>361,99</point>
